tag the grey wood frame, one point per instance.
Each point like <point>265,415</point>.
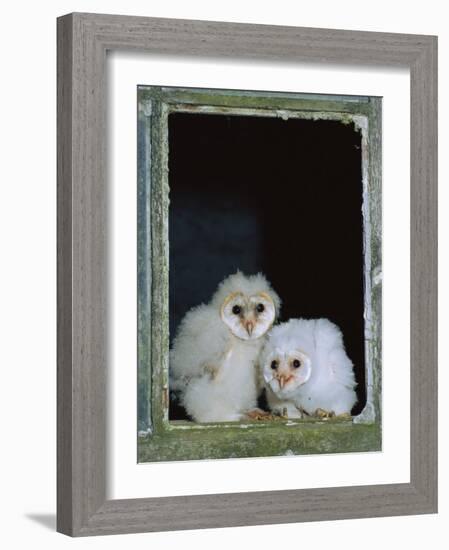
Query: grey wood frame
<point>83,40</point>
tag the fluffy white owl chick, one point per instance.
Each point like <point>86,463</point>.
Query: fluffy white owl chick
<point>213,358</point>
<point>305,368</point>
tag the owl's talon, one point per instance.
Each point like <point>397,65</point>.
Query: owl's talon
<point>258,414</point>
<point>323,414</point>
<point>279,414</point>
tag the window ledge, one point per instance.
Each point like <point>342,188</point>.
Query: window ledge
<point>182,440</point>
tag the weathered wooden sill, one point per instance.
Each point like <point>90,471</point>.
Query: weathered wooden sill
<point>185,424</point>
<point>189,441</point>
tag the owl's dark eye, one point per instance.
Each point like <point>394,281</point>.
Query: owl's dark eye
<point>236,310</point>
<point>296,364</point>
<point>260,308</point>
<point>274,365</point>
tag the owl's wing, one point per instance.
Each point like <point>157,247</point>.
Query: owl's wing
<point>342,368</point>
<point>333,353</point>
<point>201,342</point>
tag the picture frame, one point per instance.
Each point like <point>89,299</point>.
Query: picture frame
<point>83,40</point>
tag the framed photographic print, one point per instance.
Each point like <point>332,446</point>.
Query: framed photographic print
<point>258,238</point>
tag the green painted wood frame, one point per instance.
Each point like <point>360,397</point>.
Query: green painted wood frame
<point>161,440</point>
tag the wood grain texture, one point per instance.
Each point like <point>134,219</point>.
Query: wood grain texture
<point>423,291</point>
<point>64,277</point>
<point>83,40</point>
<point>255,508</point>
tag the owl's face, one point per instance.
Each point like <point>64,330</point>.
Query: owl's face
<point>284,372</point>
<point>248,317</point>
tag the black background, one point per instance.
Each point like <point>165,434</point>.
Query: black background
<point>280,197</point>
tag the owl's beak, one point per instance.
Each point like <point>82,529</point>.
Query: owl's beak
<point>283,379</point>
<point>249,326</point>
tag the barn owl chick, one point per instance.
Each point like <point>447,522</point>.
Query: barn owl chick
<point>305,368</point>
<point>213,358</point>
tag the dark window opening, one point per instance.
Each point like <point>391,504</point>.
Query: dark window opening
<point>283,197</point>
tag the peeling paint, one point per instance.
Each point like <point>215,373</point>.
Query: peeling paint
<point>283,114</point>
<point>361,124</point>
<point>368,413</point>
<point>377,276</point>
<point>145,107</point>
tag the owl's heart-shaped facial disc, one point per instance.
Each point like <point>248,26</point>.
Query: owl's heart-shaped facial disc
<point>248,317</point>
<point>284,372</point>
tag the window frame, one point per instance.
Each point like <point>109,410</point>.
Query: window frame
<point>162,440</point>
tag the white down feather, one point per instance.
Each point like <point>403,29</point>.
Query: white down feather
<point>203,340</point>
<point>331,385</point>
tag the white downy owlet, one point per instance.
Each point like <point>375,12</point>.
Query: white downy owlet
<point>214,354</point>
<point>306,369</point>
